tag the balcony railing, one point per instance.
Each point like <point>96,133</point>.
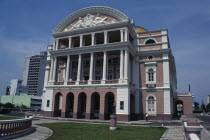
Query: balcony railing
<point>59,83</point>
<point>83,82</point>
<point>71,83</point>
<point>96,82</point>
<point>111,81</point>
<point>13,127</point>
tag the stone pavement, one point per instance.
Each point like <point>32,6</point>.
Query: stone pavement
<point>175,133</point>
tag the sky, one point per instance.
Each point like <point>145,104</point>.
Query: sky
<point>26,29</point>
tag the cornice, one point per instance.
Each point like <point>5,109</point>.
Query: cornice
<point>96,48</point>
<point>160,51</point>
<point>96,86</point>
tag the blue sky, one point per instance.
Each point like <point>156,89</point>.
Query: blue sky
<point>26,27</point>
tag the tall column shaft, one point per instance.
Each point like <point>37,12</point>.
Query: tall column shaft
<point>67,69</point>
<point>126,65</point>
<point>91,67</point>
<point>79,68</point>
<point>121,35</point>
<point>126,35</point>
<point>51,69</point>
<point>104,67</point>
<point>121,64</point>
<point>70,40</point>
<point>81,41</point>
<point>92,39</point>
<point>105,37</point>
<point>54,69</point>
<point>57,44</point>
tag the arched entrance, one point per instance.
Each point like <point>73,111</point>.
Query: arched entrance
<point>69,105</point>
<point>132,107</point>
<point>109,105</point>
<point>179,108</point>
<point>95,105</point>
<point>58,104</point>
<point>82,105</point>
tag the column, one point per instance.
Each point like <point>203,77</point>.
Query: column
<point>67,69</point>
<point>81,40</point>
<point>126,65</point>
<point>121,64</point>
<point>126,35</point>
<point>57,44</point>
<point>51,69</point>
<point>104,68</point>
<point>70,39</point>
<point>54,69</point>
<point>93,39</point>
<point>54,44</point>
<point>105,37</point>
<point>91,68</point>
<point>121,35</point>
<point>79,69</point>
<point>46,78</point>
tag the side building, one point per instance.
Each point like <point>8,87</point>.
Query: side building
<point>33,74</point>
<point>16,87</point>
<point>30,101</point>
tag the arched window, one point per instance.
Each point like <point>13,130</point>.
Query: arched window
<point>151,75</point>
<point>150,41</point>
<point>151,105</point>
<point>150,57</point>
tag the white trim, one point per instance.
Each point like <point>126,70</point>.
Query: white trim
<point>167,102</point>
<point>155,105</point>
<point>148,67</point>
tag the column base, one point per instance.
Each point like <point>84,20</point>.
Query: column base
<point>89,82</point>
<point>103,81</point>
<point>77,82</point>
<point>123,81</point>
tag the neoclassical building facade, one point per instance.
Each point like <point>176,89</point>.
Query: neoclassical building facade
<point>102,63</point>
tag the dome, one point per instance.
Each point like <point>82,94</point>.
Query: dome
<point>139,29</point>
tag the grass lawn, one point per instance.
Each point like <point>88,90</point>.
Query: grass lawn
<point>8,118</point>
<point>81,131</point>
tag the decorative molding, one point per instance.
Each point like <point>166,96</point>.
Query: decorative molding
<point>91,10</point>
<point>89,21</point>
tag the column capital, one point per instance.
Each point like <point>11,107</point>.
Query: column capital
<point>93,34</point>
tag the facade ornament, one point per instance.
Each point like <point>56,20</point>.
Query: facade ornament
<point>89,21</point>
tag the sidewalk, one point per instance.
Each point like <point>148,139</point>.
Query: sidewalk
<point>173,134</point>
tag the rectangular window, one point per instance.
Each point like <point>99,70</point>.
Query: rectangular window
<point>48,103</point>
<point>121,105</point>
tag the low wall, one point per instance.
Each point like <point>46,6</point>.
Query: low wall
<point>193,130</point>
<point>14,127</point>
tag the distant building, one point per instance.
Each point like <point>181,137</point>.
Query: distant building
<point>33,74</point>
<point>208,99</point>
<point>16,87</point>
<point>32,102</point>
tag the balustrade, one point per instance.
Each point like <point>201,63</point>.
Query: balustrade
<point>12,127</point>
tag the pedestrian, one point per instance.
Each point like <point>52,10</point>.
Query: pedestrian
<point>146,117</point>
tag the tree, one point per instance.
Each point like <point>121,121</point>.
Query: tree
<point>208,108</point>
<point>196,105</point>
<point>9,105</point>
<point>203,107</point>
